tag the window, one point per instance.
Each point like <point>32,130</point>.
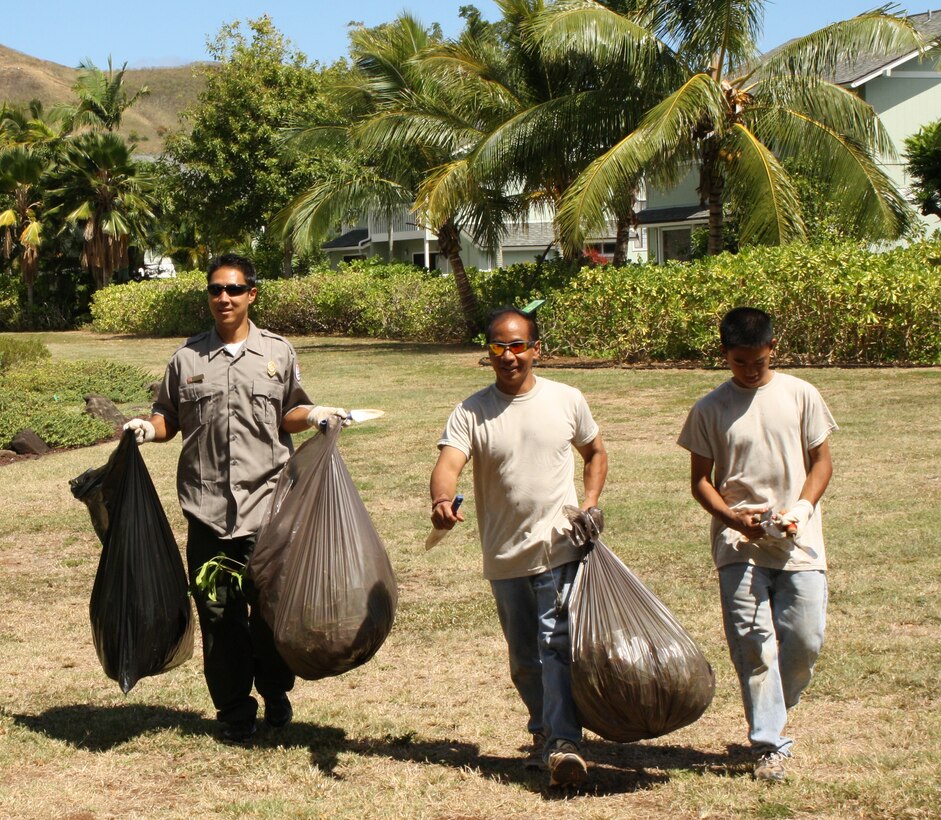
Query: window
<point>677,244</point>
<point>418,260</point>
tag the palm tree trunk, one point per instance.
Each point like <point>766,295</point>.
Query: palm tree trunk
<point>449,240</point>
<point>711,189</point>
<point>622,235</point>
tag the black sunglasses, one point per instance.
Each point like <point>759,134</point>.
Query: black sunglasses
<point>233,290</point>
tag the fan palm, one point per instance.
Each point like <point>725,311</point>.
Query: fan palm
<point>108,196</point>
<point>735,117</point>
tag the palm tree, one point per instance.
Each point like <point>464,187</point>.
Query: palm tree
<point>103,192</point>
<point>103,96</point>
<point>735,117</point>
<point>403,129</point>
<point>22,170</point>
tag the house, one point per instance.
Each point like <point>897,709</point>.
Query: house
<point>408,242</point>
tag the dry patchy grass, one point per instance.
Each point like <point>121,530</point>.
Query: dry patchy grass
<point>431,728</point>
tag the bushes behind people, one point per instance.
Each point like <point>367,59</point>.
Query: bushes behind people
<point>832,304</point>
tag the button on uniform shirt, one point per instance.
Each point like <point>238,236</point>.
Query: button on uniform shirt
<point>229,410</point>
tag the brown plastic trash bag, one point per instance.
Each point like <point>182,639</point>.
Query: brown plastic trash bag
<point>636,672</point>
<point>140,612</point>
<point>325,583</point>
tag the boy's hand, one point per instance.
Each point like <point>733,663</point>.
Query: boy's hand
<point>747,522</point>
<point>798,515</point>
<point>442,517</point>
<point>143,430</point>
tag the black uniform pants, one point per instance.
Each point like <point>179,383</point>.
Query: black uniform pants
<point>238,647</point>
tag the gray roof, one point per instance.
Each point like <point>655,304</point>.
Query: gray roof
<point>681,213</point>
<point>351,240</point>
<point>862,69</point>
<point>928,25</point>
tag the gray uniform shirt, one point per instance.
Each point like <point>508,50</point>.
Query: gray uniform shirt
<point>229,411</point>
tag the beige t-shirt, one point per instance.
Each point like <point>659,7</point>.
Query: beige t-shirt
<point>759,440</point>
<point>524,472</point>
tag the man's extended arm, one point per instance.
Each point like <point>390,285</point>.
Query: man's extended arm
<point>443,487</point>
<point>595,470</point>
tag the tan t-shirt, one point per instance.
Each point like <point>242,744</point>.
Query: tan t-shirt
<point>229,411</point>
<point>524,472</point>
<point>759,440</point>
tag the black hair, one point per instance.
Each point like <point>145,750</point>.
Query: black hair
<point>499,313</point>
<point>233,260</point>
<point>746,327</point>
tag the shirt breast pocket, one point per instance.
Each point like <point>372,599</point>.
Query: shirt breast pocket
<point>266,402</point>
<point>196,401</point>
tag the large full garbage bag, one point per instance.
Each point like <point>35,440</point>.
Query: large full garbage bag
<point>636,672</point>
<point>141,618</point>
<point>324,580</point>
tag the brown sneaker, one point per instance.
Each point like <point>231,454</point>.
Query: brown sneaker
<point>771,767</point>
<point>567,768</point>
<point>533,759</point>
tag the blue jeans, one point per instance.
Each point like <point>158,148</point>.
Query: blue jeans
<point>774,622</point>
<point>537,635</point>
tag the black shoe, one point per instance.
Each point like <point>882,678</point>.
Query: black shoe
<point>278,711</point>
<point>238,731</point>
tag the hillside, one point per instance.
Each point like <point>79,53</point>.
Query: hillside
<point>172,90</point>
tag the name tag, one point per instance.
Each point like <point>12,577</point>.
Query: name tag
<point>194,379</point>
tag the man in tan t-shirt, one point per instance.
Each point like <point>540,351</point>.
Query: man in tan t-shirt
<point>520,432</point>
<point>234,393</point>
<point>759,464</point>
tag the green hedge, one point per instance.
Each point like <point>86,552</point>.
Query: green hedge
<point>838,303</point>
<point>58,424</point>
<point>834,304</point>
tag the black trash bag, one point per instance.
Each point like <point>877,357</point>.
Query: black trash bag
<point>324,580</point>
<point>636,672</point>
<point>141,619</point>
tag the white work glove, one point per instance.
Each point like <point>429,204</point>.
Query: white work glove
<point>319,413</point>
<point>143,430</point>
<point>586,524</point>
<point>798,516</point>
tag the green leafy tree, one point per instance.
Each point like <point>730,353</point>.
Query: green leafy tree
<point>923,155</point>
<point>106,196</point>
<point>103,97</point>
<point>229,175</point>
<point>737,118</point>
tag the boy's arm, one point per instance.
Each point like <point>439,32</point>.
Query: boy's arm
<point>819,474</point>
<point>705,492</point>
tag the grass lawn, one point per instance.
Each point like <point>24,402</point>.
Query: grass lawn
<point>431,727</point>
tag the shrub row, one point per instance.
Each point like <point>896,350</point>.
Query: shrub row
<point>837,303</point>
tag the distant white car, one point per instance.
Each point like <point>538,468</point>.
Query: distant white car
<point>162,268</point>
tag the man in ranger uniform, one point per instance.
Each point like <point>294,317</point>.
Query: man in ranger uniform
<point>235,394</point>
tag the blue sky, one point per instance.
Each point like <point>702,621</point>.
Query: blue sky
<point>172,32</point>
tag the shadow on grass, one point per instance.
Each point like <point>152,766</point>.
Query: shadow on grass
<point>614,768</point>
<point>100,728</point>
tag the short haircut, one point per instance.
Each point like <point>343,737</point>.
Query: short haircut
<point>746,327</point>
<point>499,313</point>
<point>233,260</point>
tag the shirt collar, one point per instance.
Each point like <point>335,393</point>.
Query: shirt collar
<point>252,341</point>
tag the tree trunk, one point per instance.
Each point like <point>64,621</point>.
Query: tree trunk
<point>622,235</point>
<point>711,190</point>
<point>287,261</point>
<point>449,241</point>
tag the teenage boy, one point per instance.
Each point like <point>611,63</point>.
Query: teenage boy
<point>234,393</point>
<point>520,432</point>
<point>759,464</point>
